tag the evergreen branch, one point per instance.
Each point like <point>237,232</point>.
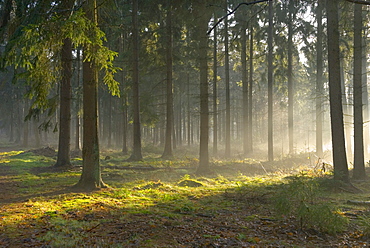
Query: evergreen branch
<point>234,10</point>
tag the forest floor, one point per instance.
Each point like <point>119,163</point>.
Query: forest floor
<point>160,203</point>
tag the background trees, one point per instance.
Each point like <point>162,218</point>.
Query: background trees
<point>166,49</point>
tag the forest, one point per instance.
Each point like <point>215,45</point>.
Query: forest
<point>218,123</point>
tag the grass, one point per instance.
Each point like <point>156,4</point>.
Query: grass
<point>42,210</point>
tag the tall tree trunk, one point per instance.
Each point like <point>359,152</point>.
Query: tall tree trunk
<point>319,82</point>
<point>179,126</point>
<point>270,86</point>
<point>78,98</point>
<point>290,76</point>
<point>188,108</point>
<point>365,90</point>
<point>227,88</point>
<point>347,111</point>
<point>167,153</point>
<point>202,25</point>
<point>36,132</point>
<point>359,161</point>
<point>91,171</point>
<point>215,115</point>
<point>25,124</point>
<point>11,124</point>
<point>335,94</point>
<point>124,124</point>
<point>124,98</point>
<point>63,158</point>
<point>136,152</point>
<point>19,121</point>
<point>250,97</point>
<point>109,120</point>
<point>245,106</point>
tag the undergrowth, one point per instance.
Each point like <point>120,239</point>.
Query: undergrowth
<point>170,194</point>
<point>303,198</point>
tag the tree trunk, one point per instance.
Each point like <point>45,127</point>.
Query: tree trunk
<point>319,82</point>
<point>227,88</point>
<point>365,90</point>
<point>36,131</point>
<point>358,161</point>
<point>245,106</point>
<point>109,120</point>
<point>202,26</point>
<point>167,153</point>
<point>188,109</point>
<point>136,152</point>
<point>78,97</point>
<point>250,97</point>
<point>25,124</point>
<point>124,124</point>
<point>335,94</point>
<point>270,86</point>
<point>347,111</point>
<point>11,124</point>
<point>290,76</point>
<point>123,98</point>
<point>91,171</point>
<point>63,158</point>
<point>215,116</point>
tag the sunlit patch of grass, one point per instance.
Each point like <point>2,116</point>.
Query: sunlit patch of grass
<point>66,218</point>
<point>10,153</point>
<point>68,233</point>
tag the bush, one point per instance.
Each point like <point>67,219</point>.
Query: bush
<point>302,198</point>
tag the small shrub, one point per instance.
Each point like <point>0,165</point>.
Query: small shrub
<point>301,198</point>
<point>364,222</point>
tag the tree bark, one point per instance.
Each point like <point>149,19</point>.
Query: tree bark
<point>215,111</point>
<point>167,153</point>
<point>36,132</point>
<point>319,82</point>
<point>335,94</point>
<point>290,77</point>
<point>202,25</point>
<point>78,99</point>
<point>245,106</point>
<point>227,88</point>
<point>270,86</point>
<point>91,171</point>
<point>123,101</point>
<point>347,111</point>
<point>359,161</point>
<point>365,96</point>
<point>63,158</point>
<point>188,110</point>
<point>136,152</point>
<point>250,91</point>
<point>109,119</point>
<point>25,124</point>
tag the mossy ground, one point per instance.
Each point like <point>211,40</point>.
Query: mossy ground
<point>162,203</point>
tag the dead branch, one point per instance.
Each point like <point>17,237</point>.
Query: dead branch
<point>233,11</point>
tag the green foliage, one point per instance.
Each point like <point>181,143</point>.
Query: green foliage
<point>301,198</point>
<point>37,51</point>
<point>364,222</point>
